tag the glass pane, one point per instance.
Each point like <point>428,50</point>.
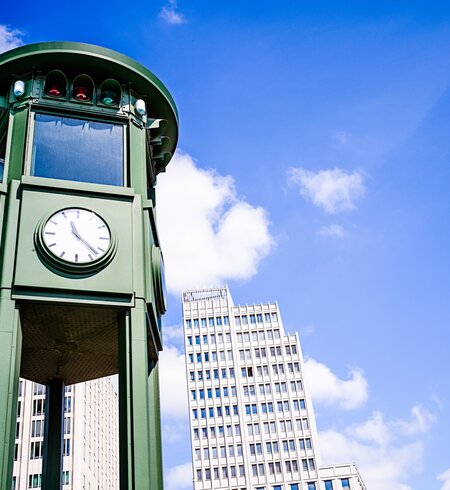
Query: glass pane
<point>75,149</point>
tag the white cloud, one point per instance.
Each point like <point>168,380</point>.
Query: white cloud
<point>179,477</point>
<point>173,336</point>
<point>173,383</point>
<point>421,421</point>
<point>445,478</point>
<point>333,190</point>
<point>382,449</point>
<point>170,15</point>
<point>327,389</point>
<point>381,466</point>
<point>9,38</point>
<point>174,431</point>
<point>209,235</point>
<point>332,230</point>
<point>373,430</point>
<point>341,137</point>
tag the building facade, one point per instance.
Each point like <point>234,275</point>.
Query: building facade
<point>251,415</point>
<point>91,447</point>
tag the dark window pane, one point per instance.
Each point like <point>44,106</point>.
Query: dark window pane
<point>74,149</point>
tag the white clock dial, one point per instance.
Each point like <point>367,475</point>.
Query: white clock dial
<point>77,235</point>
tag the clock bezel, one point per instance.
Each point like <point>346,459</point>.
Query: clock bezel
<point>62,265</point>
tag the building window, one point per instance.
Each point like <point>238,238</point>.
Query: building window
<point>311,485</point>
<point>328,485</point>
<point>345,483</point>
<point>36,450</point>
<point>294,486</point>
<point>34,481</point>
<point>66,478</point>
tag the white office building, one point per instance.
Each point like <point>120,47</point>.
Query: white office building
<point>91,447</point>
<point>252,419</point>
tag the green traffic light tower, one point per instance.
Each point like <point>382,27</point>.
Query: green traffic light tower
<point>84,131</point>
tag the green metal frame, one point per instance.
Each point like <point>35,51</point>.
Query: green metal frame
<point>128,283</point>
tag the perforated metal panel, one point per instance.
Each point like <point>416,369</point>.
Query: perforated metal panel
<point>72,343</point>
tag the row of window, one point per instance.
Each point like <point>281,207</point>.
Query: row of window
<point>271,427</point>
<point>258,469</point>
<point>218,431</point>
<point>281,406</point>
<point>328,485</point>
<point>273,447</point>
<point>292,367</point>
<point>37,447</point>
<point>268,388</point>
<point>39,389</point>
<point>261,352</point>
<point>37,427</point>
<point>252,319</point>
<point>255,428</point>
<point>201,375</point>
<point>225,411</point>
<point>211,356</point>
<point>35,480</point>
<point>257,336</point>
<point>226,472</point>
<point>217,321</point>
<point>215,451</point>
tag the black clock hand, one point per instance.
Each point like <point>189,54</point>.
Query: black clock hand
<point>82,240</point>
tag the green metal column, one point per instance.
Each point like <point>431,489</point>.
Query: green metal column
<point>10,354</point>
<point>134,408</point>
<point>156,463</point>
<point>53,436</point>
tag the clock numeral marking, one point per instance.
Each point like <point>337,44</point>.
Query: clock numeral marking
<point>54,222</point>
<point>62,254</point>
<point>51,245</point>
<point>50,233</point>
<point>103,238</point>
<point>76,257</point>
<point>64,214</point>
<point>100,227</point>
<point>101,249</point>
<point>78,213</point>
<point>90,256</point>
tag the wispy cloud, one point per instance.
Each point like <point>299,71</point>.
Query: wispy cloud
<point>333,190</point>
<point>333,230</point>
<point>9,38</point>
<point>209,234</point>
<point>170,14</point>
<point>328,389</point>
<point>341,137</point>
<point>445,478</point>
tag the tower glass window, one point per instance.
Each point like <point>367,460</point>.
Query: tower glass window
<point>76,149</point>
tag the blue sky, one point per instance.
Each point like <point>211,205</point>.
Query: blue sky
<point>314,137</point>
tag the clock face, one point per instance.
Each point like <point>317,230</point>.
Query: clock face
<point>77,236</point>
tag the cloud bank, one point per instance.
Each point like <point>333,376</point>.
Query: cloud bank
<point>327,389</point>
<point>209,234</point>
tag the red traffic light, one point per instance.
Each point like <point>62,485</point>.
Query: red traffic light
<point>83,88</point>
<point>55,84</point>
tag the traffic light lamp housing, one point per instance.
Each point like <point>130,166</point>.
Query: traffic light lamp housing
<point>84,132</point>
